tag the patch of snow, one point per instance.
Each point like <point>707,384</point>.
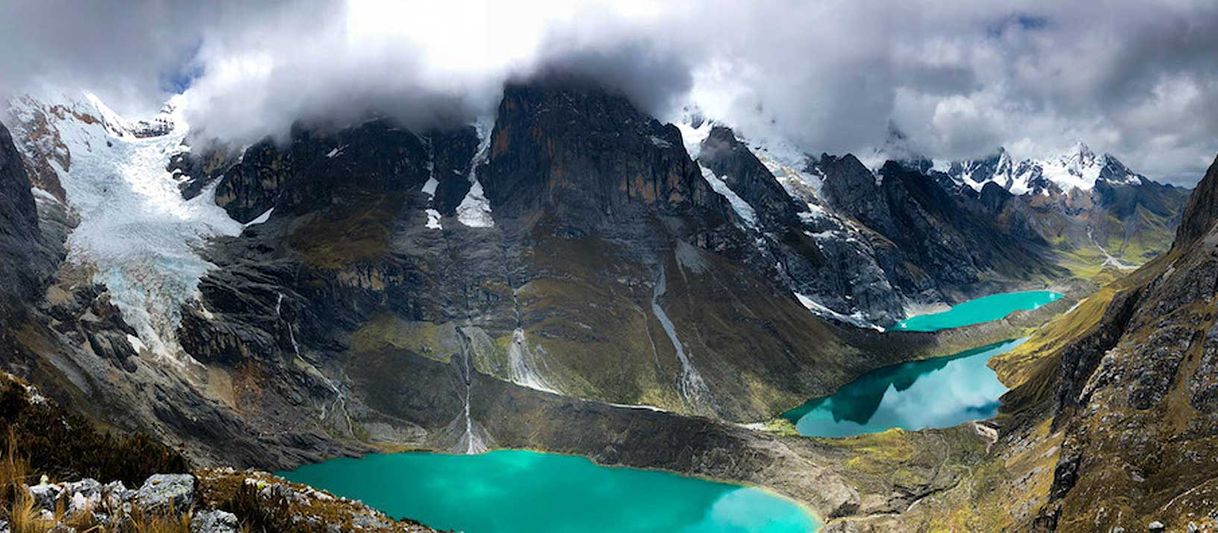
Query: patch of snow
<point>855,319</point>
<point>265,216</point>
<point>433,219</point>
<point>660,142</point>
<point>788,164</point>
<point>335,152</point>
<point>429,188</point>
<point>475,210</point>
<point>136,343</point>
<point>693,136</point>
<point>637,406</point>
<point>741,207</point>
<point>43,196</point>
<point>135,229</point>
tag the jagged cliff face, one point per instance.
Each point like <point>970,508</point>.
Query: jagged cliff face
<point>1138,411</point>
<point>946,243</point>
<point>832,263</point>
<point>861,246</point>
<point>18,233</point>
<point>588,159</point>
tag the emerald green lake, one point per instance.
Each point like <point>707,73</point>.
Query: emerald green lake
<point>518,490</point>
<point>934,393</point>
<point>976,311</point>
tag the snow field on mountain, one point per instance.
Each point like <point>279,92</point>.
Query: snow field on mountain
<point>136,231</point>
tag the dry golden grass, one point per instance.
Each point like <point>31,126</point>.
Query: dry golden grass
<point>16,502</point>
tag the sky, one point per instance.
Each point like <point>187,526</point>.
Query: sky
<point>1136,78</point>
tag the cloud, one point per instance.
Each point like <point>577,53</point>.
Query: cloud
<point>1135,78</point>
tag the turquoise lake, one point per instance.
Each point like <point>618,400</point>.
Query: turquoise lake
<point>935,393</point>
<point>518,490</point>
<point>976,311</point>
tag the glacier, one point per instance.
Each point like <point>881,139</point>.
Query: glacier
<point>136,234</point>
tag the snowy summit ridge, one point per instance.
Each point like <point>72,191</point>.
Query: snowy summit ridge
<point>1078,168</point>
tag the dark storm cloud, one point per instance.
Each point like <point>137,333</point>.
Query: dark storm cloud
<point>652,78</point>
<point>121,48</point>
<point>1135,78</point>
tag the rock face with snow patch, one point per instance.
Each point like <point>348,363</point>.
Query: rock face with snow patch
<point>819,254</point>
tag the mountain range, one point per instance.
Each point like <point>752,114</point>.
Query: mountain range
<point>572,262</point>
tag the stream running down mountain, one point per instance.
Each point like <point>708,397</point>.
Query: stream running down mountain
<point>525,491</point>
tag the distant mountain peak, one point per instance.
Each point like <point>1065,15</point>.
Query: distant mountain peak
<point>899,148</point>
<point>1081,150</point>
<point>1079,167</point>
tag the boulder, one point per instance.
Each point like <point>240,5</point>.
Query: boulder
<point>214,522</point>
<point>167,492</point>
<point>44,495</point>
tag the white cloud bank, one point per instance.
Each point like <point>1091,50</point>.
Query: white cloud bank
<point>1135,78</point>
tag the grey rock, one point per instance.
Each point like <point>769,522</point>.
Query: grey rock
<point>167,491</point>
<point>87,487</point>
<point>83,495</point>
<point>1155,526</point>
<point>45,495</point>
<point>214,522</point>
<point>115,494</point>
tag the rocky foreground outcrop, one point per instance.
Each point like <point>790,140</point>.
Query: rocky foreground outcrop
<point>207,501</point>
<point>44,440</point>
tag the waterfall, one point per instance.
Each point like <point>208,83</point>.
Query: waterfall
<point>291,328</point>
<point>473,443</point>
<point>340,400</point>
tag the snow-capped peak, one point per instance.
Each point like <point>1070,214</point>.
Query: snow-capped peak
<point>694,128</point>
<point>1077,168</point>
